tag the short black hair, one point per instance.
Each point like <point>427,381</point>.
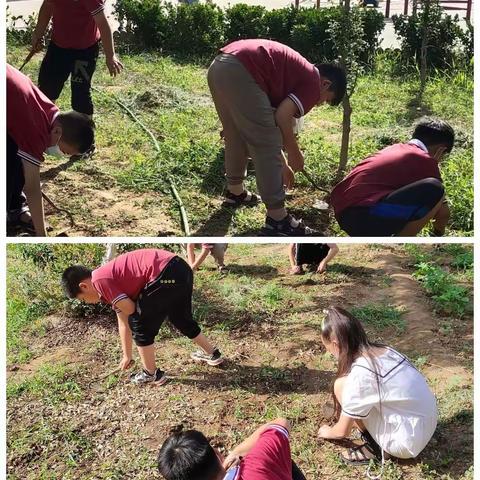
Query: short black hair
<point>336,74</point>
<point>72,277</point>
<point>433,131</point>
<point>78,130</point>
<point>188,455</point>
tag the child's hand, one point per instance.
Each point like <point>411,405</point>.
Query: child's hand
<point>296,161</point>
<point>115,66</point>
<point>126,363</point>
<point>322,267</point>
<point>288,177</point>
<point>231,461</point>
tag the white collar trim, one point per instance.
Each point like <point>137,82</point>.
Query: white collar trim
<point>419,144</point>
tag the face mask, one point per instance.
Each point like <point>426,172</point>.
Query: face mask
<point>54,151</point>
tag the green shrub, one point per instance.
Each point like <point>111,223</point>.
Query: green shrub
<point>445,32</point>
<point>245,21</point>
<point>280,24</point>
<point>20,35</point>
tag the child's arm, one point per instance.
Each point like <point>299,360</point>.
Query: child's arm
<point>200,259</point>
<point>113,63</point>
<point>33,192</point>
<point>191,253</point>
<point>330,255</point>
<point>242,449</point>
<point>44,15</point>
<point>341,429</point>
<point>125,308</point>
<point>284,115</point>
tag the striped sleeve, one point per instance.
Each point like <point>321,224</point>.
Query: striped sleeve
<point>280,429</point>
<point>29,158</point>
<point>95,6</point>
<point>298,103</point>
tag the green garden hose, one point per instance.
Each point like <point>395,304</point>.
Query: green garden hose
<point>133,116</point>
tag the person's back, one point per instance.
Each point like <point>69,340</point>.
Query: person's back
<point>382,173</point>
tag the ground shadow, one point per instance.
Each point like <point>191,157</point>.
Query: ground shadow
<point>261,380</point>
<point>217,224</point>
<point>53,172</point>
<point>415,109</point>
<point>263,271</point>
<point>352,271</point>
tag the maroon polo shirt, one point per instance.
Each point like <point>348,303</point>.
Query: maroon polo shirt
<point>383,173</point>
<point>73,25</point>
<point>30,115</point>
<point>126,275</point>
<point>280,72</point>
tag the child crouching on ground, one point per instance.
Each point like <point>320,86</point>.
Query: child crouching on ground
<point>377,390</point>
<point>143,287</point>
<point>315,255</point>
<point>216,250</point>
<point>265,455</point>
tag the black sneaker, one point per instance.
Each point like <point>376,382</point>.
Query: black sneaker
<point>213,360</point>
<point>287,227</point>
<point>143,377</point>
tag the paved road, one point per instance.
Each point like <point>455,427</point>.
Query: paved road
<point>389,40</point>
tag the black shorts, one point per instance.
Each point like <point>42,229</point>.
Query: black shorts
<point>310,253</point>
<point>392,213</point>
<point>169,295</point>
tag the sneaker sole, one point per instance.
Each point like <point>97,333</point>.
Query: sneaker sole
<point>212,363</point>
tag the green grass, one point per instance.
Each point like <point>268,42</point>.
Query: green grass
<point>380,316</point>
<point>174,101</point>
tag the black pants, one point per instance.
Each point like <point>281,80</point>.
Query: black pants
<point>310,253</point>
<point>60,63</point>
<point>169,295</point>
<point>16,201</point>
<point>297,473</point>
<point>392,213</point>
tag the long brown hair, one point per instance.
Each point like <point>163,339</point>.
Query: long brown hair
<point>352,342</point>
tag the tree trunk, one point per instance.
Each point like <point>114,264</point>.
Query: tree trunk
<point>346,126</point>
<point>110,252</point>
<point>424,50</point>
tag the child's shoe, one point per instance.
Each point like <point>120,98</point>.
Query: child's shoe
<point>247,199</point>
<point>143,377</point>
<point>287,227</point>
<point>214,359</point>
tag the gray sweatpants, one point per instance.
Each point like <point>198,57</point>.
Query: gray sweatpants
<point>249,128</point>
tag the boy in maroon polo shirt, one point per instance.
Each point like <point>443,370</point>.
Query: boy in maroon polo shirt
<point>265,455</point>
<point>34,127</point>
<point>77,27</point>
<point>143,287</point>
<point>259,87</point>
<point>398,190</point>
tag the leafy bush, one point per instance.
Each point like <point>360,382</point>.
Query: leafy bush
<point>201,29</point>
<point>447,296</point>
<point>448,38</point>
<point>20,35</point>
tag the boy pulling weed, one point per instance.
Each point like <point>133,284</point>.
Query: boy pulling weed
<point>144,287</point>
<point>36,126</point>
<point>399,190</point>
<point>316,255</point>
<point>265,455</point>
<point>259,87</point>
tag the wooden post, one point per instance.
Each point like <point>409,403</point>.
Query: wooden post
<point>469,9</point>
<point>318,4</point>
<point>405,7</point>
<point>387,9</point>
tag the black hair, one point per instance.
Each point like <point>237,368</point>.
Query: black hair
<point>78,130</point>
<point>433,131</point>
<point>72,277</point>
<point>337,76</point>
<point>188,455</point>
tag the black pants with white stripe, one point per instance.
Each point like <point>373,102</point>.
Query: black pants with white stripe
<point>16,200</point>
<point>60,63</point>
